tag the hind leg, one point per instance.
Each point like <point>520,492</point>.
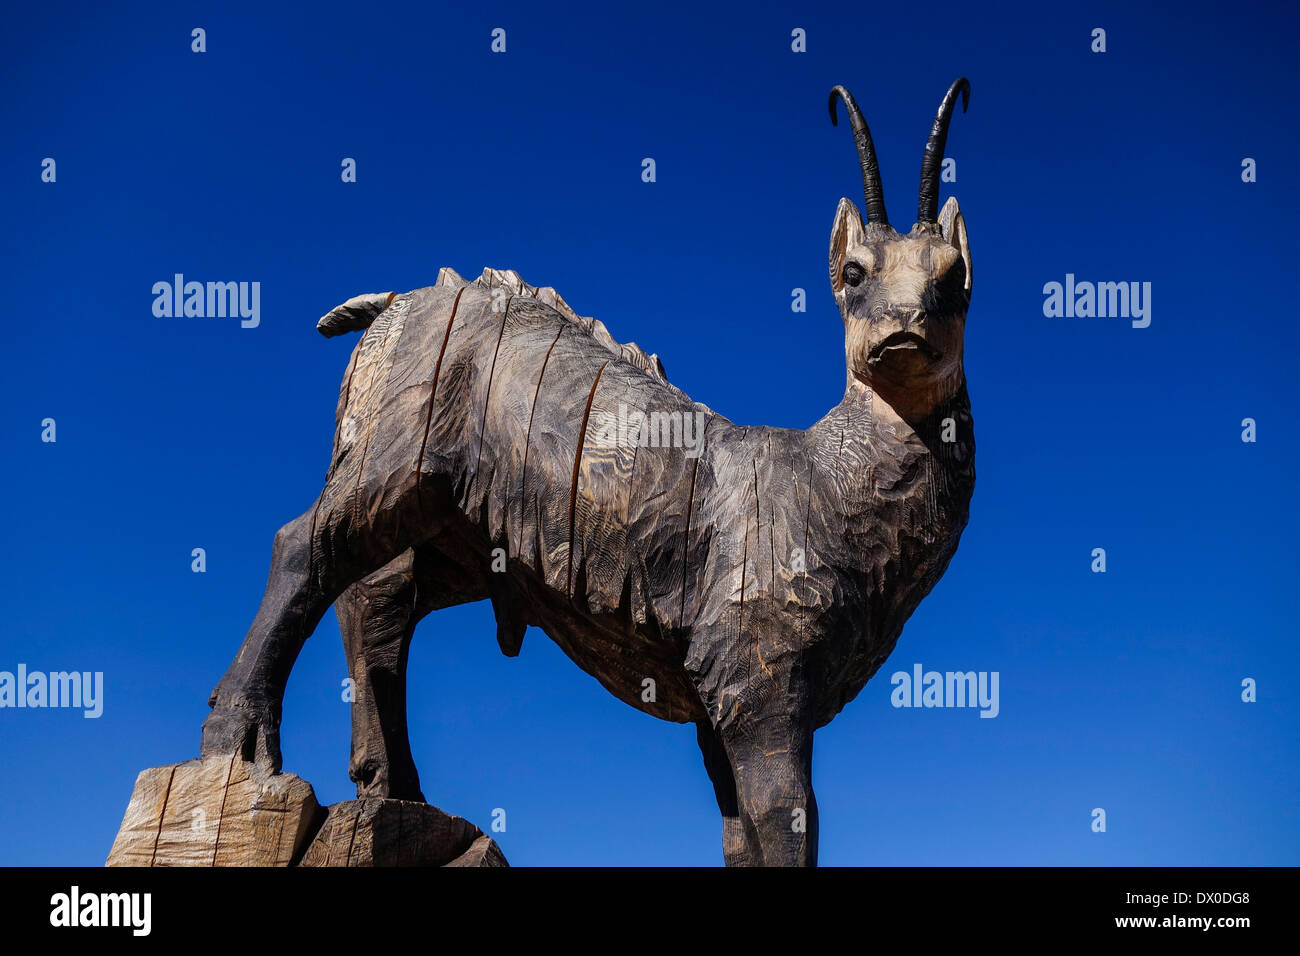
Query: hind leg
<point>354,529</point>
<point>377,618</point>
<point>245,716</point>
<point>736,848</point>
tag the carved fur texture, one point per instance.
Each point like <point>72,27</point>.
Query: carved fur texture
<point>747,579</point>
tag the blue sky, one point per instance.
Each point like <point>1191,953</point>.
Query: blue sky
<point>1119,690</point>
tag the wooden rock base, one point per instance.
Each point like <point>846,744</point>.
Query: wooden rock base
<point>222,811</point>
<point>399,833</point>
<point>215,812</point>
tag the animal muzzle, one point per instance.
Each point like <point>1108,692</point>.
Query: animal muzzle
<point>901,342</point>
<point>904,333</point>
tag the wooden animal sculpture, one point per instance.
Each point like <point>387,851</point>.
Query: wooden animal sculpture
<point>491,443</point>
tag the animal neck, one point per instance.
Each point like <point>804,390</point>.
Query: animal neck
<point>908,481</point>
<point>866,416</point>
<point>895,497</point>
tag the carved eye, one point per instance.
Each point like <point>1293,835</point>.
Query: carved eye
<point>853,273</point>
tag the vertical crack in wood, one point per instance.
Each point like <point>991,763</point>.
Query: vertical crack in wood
<point>577,461</point>
<point>354,508</point>
<point>538,544</point>
<point>487,398</point>
<point>807,519</point>
<point>433,394</point>
<point>221,814</point>
<point>771,522</point>
<point>686,537</point>
<point>771,526</point>
<point>771,584</point>
<point>744,565</point>
<point>857,636</point>
<point>352,838</point>
<point>528,437</point>
<point>624,523</point>
<point>162,815</point>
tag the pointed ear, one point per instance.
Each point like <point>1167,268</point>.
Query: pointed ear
<point>953,227</point>
<point>845,233</point>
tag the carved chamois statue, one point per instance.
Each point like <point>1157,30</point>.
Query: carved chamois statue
<point>753,584</point>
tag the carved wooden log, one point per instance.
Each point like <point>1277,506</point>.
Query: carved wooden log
<point>399,833</point>
<point>219,811</point>
<point>492,443</point>
<point>222,811</point>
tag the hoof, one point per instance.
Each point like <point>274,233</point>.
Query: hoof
<point>241,728</point>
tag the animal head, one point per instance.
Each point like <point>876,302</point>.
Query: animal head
<point>903,298</point>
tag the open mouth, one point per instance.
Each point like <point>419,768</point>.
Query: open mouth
<point>904,342</point>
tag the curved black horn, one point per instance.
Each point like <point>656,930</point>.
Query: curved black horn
<point>871,190</point>
<point>927,208</point>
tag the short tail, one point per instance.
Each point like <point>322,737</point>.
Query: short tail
<point>355,314</point>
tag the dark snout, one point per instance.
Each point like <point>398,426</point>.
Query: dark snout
<point>912,346</point>
<point>904,345</point>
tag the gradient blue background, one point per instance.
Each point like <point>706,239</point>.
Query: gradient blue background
<point>1119,690</point>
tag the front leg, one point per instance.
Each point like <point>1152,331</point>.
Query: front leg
<point>771,758</point>
<point>738,848</point>
<point>754,685</point>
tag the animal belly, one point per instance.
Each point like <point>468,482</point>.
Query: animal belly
<point>638,668</point>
